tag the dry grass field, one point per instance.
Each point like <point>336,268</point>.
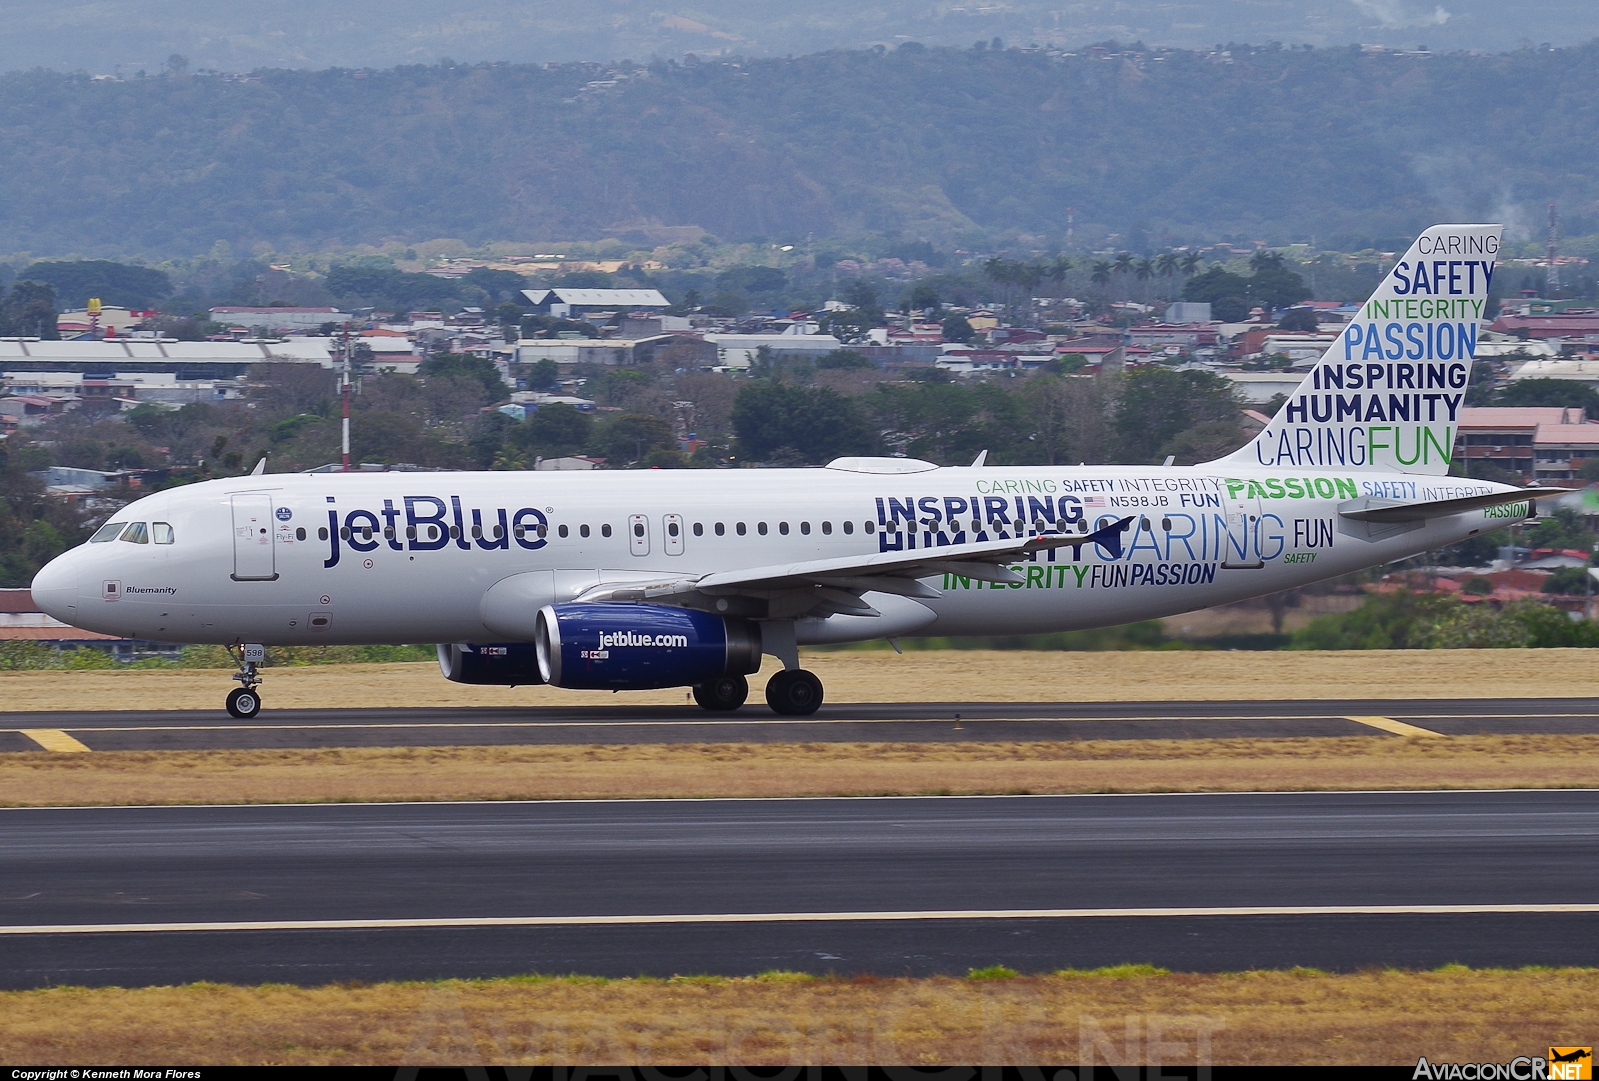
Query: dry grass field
<point>1134,1014</point>
<point>773,770</point>
<point>883,676</point>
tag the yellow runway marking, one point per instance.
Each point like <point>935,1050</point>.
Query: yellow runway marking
<point>1398,728</point>
<point>53,739</point>
<point>797,917</point>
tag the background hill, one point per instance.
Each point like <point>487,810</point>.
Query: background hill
<point>1328,145</point>
<point>125,36</point>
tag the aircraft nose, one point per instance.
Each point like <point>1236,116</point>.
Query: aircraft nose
<point>55,589</point>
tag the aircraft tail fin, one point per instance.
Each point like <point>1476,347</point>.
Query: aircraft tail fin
<point>1387,393</point>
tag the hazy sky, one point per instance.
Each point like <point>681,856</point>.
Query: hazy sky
<point>123,36</point>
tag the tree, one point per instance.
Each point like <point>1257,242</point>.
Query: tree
<point>629,438</point>
<point>543,374</point>
<point>957,328</point>
<point>1301,320</point>
<point>1101,272</point>
<point>923,298</point>
<point>477,369</point>
<point>751,279</point>
<point>113,283</point>
<point>1190,263</point>
<point>816,424</point>
<point>556,430</point>
<point>1157,404</point>
<point>844,360</point>
<point>497,285</point>
<point>1167,263</point>
<point>1069,418</point>
<point>1549,393</point>
<point>29,311</point>
<point>1273,286</point>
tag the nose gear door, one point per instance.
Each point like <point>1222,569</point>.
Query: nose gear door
<point>253,559</point>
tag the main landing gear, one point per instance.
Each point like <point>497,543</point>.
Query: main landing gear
<point>723,694</point>
<point>794,691</point>
<point>244,701</point>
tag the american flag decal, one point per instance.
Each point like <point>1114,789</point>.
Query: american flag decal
<point>1095,501</point>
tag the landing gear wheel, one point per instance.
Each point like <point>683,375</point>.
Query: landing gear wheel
<point>723,694</point>
<point>795,692</point>
<point>244,702</point>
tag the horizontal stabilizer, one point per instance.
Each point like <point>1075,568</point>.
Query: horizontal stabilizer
<point>1371,509</point>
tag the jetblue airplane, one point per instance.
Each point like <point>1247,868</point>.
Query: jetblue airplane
<point>642,580</point>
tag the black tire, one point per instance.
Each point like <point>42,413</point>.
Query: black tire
<point>722,695</point>
<point>796,693</point>
<point>244,702</point>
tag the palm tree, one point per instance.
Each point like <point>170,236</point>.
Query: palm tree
<point>1124,262</point>
<point>1058,270</point>
<point>1144,269</point>
<point>1264,259</point>
<point>1190,263</point>
<point>1101,273</point>
<point>1166,263</point>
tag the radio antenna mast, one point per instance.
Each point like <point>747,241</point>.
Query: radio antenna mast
<point>1552,282</point>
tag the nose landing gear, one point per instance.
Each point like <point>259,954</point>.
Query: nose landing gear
<point>244,701</point>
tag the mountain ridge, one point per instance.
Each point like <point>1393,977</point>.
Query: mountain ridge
<point>957,145</point>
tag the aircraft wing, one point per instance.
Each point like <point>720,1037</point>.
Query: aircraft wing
<point>1373,509</point>
<point>831,586</point>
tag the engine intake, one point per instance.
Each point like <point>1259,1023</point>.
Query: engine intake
<point>639,647</point>
<point>511,664</point>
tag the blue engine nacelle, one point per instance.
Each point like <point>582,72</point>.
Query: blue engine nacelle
<point>512,664</point>
<point>638,647</point>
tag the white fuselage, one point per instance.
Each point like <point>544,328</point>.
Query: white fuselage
<point>285,559</point>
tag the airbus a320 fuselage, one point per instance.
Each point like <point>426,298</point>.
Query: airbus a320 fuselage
<point>645,579</point>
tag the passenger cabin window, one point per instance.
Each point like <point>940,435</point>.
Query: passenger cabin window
<point>699,529</point>
<point>161,533</point>
<point>720,529</point>
<point>582,530</point>
<point>760,527</point>
<point>605,530</point>
<point>782,527</point>
<point>108,532</point>
<point>562,531</point>
<point>827,529</point>
<point>871,527</point>
<point>299,534</point>
<point>138,533</point>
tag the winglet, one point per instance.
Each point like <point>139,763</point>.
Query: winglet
<point>1108,537</point>
<point>260,467</point>
<point>981,458</point>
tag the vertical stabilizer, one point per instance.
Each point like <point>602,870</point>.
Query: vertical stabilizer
<point>1387,394</point>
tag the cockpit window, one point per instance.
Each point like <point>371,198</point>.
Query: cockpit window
<point>161,532</point>
<point>107,532</point>
<point>138,533</point>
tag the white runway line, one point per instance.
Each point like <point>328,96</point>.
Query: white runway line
<point>800,917</point>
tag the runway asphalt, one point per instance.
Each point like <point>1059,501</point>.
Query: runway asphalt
<point>931,722</point>
<point>315,893</point>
